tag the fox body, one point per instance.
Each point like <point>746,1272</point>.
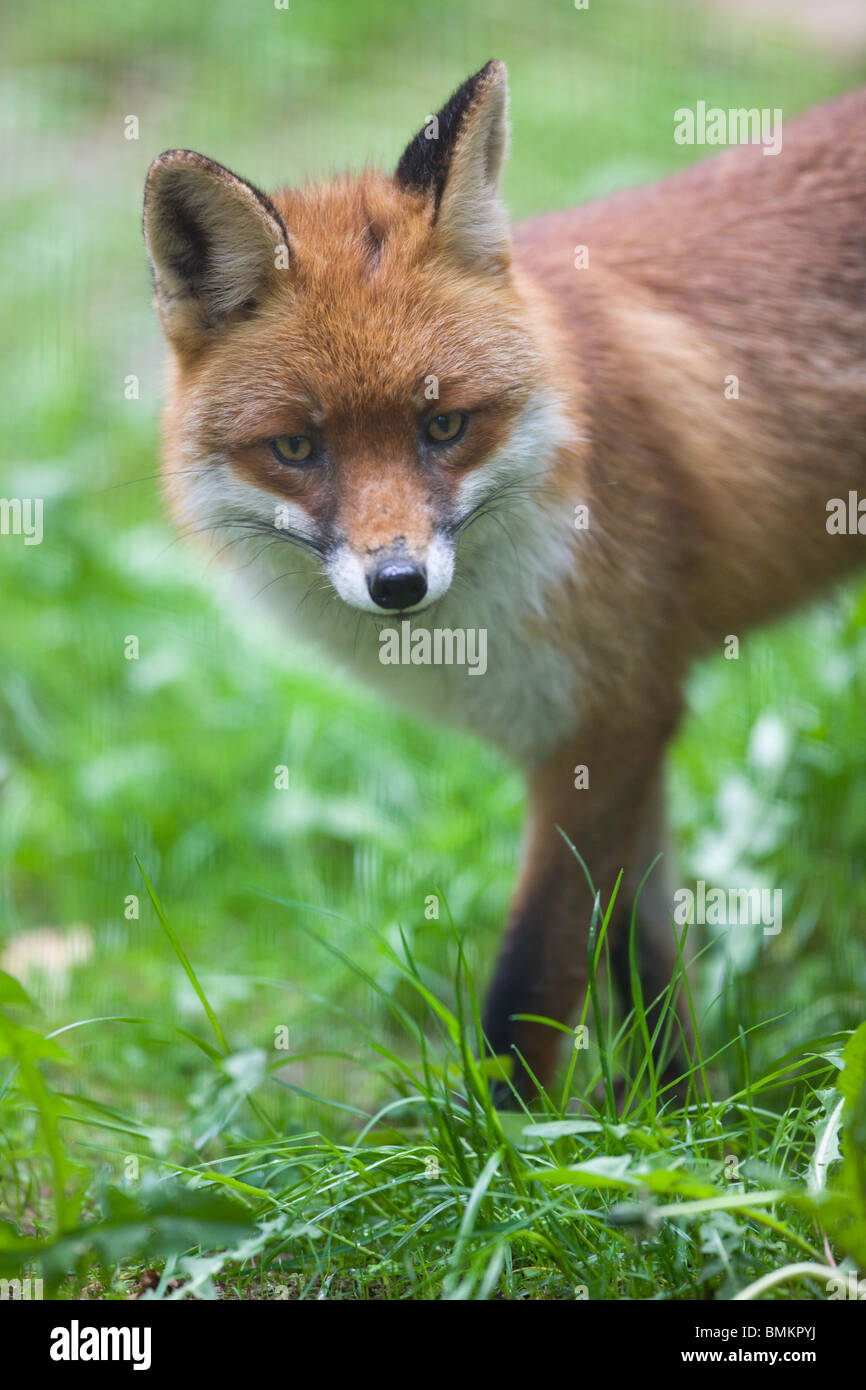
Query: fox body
<point>409,414</point>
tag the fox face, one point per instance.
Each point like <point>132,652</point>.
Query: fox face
<point>354,373</point>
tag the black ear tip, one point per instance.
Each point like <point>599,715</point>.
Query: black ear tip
<point>425,160</point>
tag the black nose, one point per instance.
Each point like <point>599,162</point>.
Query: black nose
<point>397,584</point>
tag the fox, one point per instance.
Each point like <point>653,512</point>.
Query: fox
<point>608,439</point>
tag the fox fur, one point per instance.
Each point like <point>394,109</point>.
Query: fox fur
<point>349,312</point>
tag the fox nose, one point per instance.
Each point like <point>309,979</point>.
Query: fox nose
<point>397,584</point>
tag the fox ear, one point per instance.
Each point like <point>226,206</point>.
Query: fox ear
<point>457,160</point>
<point>213,242</point>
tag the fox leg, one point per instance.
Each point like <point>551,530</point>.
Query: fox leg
<point>542,968</point>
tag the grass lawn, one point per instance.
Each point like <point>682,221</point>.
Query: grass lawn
<point>291,1108</point>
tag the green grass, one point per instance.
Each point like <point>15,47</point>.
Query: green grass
<point>435,1194</point>
<point>304,909</point>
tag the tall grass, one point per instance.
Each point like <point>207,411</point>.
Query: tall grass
<point>613,1188</point>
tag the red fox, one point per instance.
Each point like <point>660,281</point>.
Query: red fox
<point>608,443</point>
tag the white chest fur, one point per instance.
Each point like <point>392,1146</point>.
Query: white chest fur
<point>519,684</point>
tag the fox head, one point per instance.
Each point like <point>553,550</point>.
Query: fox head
<point>353,372</point>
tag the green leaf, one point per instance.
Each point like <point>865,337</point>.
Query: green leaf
<point>558,1129</point>
<point>852,1078</point>
<point>11,992</point>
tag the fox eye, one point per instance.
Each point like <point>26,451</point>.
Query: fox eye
<point>292,448</point>
<point>442,429</point>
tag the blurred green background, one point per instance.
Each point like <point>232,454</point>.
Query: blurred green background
<point>172,756</point>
